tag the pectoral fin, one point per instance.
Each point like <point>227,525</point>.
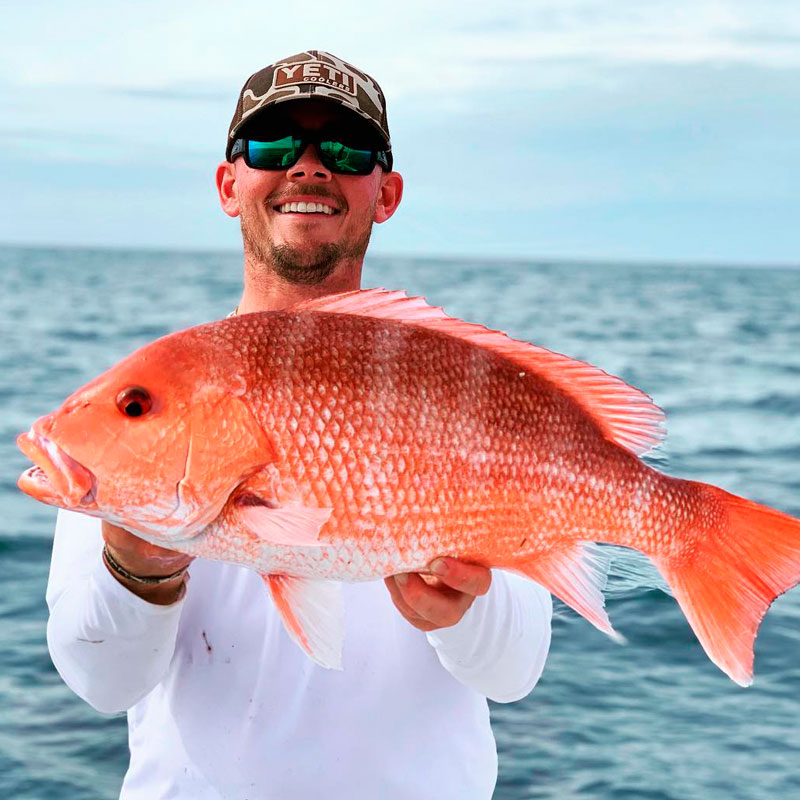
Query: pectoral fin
<point>313,615</point>
<point>294,526</point>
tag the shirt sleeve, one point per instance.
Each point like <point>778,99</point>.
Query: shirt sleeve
<point>499,647</point>
<point>109,646</point>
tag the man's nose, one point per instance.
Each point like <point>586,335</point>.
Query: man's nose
<point>308,166</point>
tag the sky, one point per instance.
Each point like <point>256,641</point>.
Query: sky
<point>654,130</point>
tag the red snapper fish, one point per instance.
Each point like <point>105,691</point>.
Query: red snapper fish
<point>364,434</point>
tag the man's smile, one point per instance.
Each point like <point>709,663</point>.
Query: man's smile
<point>307,206</point>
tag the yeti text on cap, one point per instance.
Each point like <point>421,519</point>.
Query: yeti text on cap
<point>314,72</point>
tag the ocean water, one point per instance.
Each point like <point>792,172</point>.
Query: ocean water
<point>717,348</point>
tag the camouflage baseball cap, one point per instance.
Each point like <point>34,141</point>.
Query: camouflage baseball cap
<point>317,74</point>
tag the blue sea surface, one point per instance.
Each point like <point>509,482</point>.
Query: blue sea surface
<point>717,348</point>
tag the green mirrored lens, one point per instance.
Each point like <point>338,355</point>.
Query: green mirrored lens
<point>284,152</point>
<point>342,158</point>
<point>278,154</point>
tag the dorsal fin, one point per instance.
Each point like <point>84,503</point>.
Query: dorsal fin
<point>625,415</point>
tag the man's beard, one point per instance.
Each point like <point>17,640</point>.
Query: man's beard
<point>297,265</point>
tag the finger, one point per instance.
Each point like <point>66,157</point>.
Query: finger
<point>137,555</point>
<point>125,540</point>
<point>401,605</point>
<point>463,577</point>
<point>405,610</point>
<point>440,605</point>
<point>397,597</point>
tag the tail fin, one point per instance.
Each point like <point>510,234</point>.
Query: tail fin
<point>749,556</point>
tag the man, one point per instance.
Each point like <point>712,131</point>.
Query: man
<point>220,702</point>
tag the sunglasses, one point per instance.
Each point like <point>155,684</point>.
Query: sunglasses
<point>285,152</point>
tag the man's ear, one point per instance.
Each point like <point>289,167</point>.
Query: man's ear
<point>226,189</point>
<point>389,196</point>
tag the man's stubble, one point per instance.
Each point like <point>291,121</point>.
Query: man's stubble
<point>297,265</point>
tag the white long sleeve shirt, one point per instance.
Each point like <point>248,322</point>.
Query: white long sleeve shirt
<point>222,704</point>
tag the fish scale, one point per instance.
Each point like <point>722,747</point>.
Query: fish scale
<point>495,453</point>
<point>364,434</point>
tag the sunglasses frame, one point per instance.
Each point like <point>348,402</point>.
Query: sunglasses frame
<point>382,157</point>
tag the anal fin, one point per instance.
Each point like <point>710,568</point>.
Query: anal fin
<point>313,615</point>
<point>576,574</point>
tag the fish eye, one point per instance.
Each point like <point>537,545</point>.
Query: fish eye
<point>134,401</point>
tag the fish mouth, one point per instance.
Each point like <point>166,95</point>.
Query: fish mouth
<point>57,478</point>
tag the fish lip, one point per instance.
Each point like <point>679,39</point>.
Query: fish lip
<point>56,477</point>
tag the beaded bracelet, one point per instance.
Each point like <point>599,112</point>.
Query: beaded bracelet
<point>114,566</point>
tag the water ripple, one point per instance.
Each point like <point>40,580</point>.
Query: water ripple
<point>653,720</point>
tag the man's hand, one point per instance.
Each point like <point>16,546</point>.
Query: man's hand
<point>428,602</point>
<point>146,560</point>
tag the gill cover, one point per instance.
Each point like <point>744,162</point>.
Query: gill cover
<point>226,446</point>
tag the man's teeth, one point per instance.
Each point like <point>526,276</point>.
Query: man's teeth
<point>305,208</point>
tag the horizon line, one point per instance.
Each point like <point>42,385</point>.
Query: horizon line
<point>382,256</point>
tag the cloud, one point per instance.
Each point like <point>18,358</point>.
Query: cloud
<point>448,46</point>
<point>585,127</point>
